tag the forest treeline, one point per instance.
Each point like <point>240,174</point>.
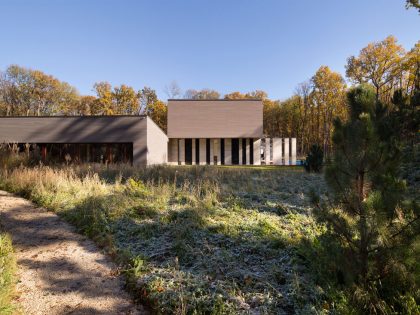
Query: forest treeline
<point>307,115</point>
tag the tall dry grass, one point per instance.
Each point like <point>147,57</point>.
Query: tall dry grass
<point>189,239</point>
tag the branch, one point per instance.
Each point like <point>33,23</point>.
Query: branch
<point>405,227</point>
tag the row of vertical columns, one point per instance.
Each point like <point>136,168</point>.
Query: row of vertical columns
<point>286,156</point>
<point>177,151</point>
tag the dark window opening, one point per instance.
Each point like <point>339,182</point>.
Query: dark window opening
<point>76,153</point>
<point>222,151</point>
<point>251,151</point>
<point>235,151</point>
<point>188,151</point>
<point>197,151</point>
<point>208,151</point>
<point>243,151</point>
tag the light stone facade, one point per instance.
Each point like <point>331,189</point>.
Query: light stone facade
<point>277,151</point>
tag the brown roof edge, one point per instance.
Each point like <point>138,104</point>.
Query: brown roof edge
<point>216,99</point>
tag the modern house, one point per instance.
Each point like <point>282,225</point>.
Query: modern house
<point>215,131</point>
<point>200,132</point>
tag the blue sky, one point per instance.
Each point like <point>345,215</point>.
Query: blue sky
<point>225,45</point>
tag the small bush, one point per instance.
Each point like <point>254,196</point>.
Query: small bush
<point>314,160</point>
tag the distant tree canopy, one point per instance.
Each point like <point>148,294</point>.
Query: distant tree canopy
<point>32,92</point>
<point>307,115</point>
<point>413,4</point>
<point>27,92</point>
<point>204,94</point>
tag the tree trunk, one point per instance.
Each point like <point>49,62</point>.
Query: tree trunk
<point>363,230</point>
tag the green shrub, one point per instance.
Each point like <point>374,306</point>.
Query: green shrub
<point>314,160</point>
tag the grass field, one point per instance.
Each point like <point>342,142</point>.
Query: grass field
<point>7,273</point>
<point>193,240</point>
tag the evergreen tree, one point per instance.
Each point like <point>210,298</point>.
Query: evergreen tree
<point>314,160</point>
<point>367,215</point>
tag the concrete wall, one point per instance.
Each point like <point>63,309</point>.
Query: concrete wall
<point>83,129</point>
<point>277,151</point>
<point>293,151</point>
<point>267,149</point>
<point>202,151</point>
<point>181,150</point>
<point>173,151</point>
<point>215,118</point>
<point>157,144</point>
<point>257,151</point>
<point>286,151</point>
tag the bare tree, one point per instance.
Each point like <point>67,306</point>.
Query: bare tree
<point>173,90</point>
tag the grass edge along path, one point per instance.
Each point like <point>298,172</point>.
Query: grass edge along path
<point>7,274</point>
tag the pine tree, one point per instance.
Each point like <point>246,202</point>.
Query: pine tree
<point>375,228</point>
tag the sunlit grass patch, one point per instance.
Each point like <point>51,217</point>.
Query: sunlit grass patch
<point>191,240</point>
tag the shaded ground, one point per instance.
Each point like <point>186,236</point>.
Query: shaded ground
<point>60,271</point>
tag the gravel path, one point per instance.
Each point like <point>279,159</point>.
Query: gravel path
<point>60,271</point>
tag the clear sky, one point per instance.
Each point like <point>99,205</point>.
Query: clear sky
<point>226,45</point>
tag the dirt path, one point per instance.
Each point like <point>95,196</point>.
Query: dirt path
<point>60,271</point>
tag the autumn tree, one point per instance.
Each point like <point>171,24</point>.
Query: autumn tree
<point>413,4</point>
<point>204,94</point>
<point>257,94</point>
<point>305,124</point>
<point>234,96</point>
<point>118,100</point>
<point>85,106</point>
<point>126,100</point>
<point>328,97</point>
<point>380,64</point>
<point>411,65</point>
<point>272,118</point>
<point>104,102</point>
<point>158,113</point>
<point>148,97</point>
<point>31,92</point>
